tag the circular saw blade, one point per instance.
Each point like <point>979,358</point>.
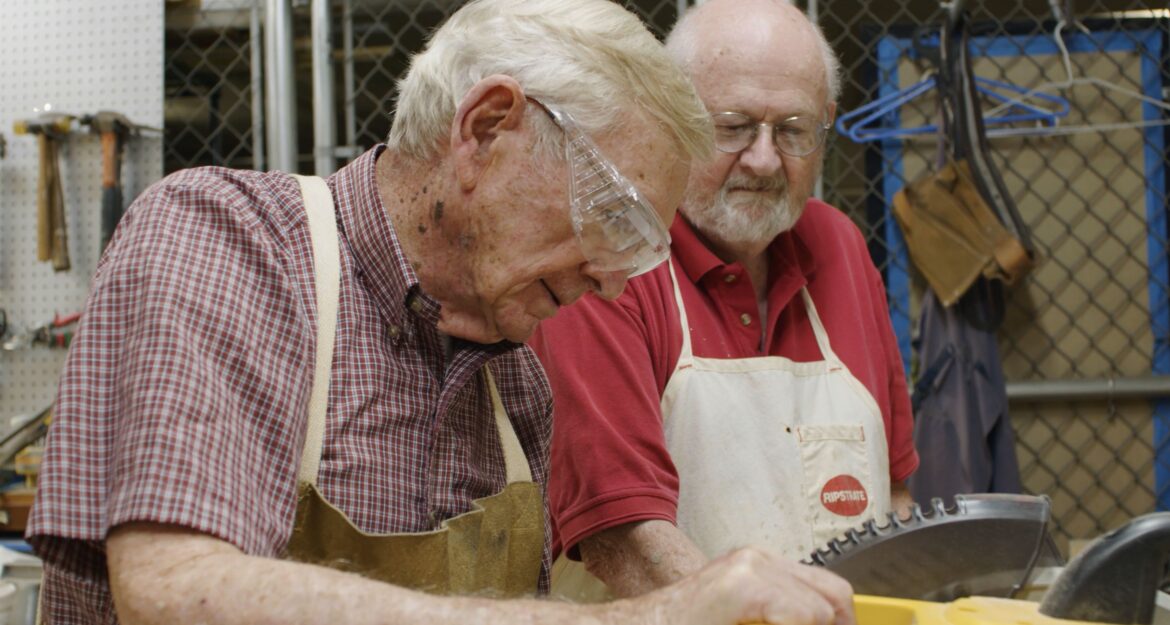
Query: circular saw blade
<point>984,544</point>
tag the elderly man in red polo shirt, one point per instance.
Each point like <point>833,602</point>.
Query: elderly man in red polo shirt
<point>749,391</point>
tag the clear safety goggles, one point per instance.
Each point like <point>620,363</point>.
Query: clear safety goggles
<point>617,228</point>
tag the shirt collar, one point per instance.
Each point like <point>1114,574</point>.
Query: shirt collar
<point>380,262</point>
<point>789,257</point>
<point>381,265</point>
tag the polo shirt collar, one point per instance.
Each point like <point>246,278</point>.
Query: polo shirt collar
<point>790,260</point>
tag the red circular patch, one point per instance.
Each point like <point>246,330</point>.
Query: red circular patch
<point>844,495</point>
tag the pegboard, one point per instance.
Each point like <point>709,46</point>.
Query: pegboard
<point>79,57</point>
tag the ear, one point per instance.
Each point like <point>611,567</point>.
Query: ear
<point>491,107</point>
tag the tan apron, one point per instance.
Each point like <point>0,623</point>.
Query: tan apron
<point>495,549</point>
<point>770,452</point>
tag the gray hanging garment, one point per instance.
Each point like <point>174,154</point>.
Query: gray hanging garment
<point>962,429</point>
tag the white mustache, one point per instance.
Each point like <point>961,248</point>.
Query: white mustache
<point>755,184</point>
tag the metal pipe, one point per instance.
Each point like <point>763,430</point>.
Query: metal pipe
<point>324,119</point>
<point>819,186</point>
<point>280,94</point>
<point>1146,387</point>
<point>347,68</point>
<point>955,9</point>
<point>254,44</point>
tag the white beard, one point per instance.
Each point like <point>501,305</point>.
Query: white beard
<point>744,218</point>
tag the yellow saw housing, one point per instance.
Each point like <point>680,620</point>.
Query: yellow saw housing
<point>872,610</point>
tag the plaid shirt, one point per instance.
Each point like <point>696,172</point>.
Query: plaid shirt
<point>183,399</point>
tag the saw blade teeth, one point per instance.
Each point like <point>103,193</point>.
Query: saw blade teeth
<point>940,507</point>
<point>916,512</point>
<point>814,559</point>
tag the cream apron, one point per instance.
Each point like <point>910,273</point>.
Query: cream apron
<point>495,549</point>
<point>770,452</point>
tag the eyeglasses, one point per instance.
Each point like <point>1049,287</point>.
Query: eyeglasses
<point>617,228</point>
<point>796,136</point>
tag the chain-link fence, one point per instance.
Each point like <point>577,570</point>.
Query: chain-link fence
<point>212,62</point>
<point>1089,182</point>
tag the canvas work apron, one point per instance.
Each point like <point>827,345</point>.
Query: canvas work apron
<point>770,452</point>
<point>495,549</point>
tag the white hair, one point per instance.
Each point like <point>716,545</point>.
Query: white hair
<point>590,58</point>
<point>683,45</point>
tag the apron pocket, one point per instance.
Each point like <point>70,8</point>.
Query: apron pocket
<point>837,479</point>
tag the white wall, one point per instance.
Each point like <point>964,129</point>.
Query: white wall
<point>79,56</point>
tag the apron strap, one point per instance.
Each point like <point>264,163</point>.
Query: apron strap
<point>327,268</point>
<point>515,463</point>
<point>818,328</point>
<point>685,356</point>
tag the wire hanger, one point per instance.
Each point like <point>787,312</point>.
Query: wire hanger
<point>864,123</point>
<point>1063,18</point>
<point>872,121</point>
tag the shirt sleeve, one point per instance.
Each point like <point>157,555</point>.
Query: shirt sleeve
<point>900,428</point>
<point>860,321</point>
<point>607,365</point>
<point>182,399</point>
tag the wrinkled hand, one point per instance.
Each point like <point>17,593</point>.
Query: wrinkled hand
<point>751,586</point>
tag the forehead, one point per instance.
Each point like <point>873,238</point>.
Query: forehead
<point>769,69</point>
<point>649,158</point>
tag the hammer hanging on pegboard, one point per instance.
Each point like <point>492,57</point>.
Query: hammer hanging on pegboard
<point>52,237</point>
<point>114,129</point>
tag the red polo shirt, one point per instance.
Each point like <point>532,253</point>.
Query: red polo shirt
<point>609,362</point>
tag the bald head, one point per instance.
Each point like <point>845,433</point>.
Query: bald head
<point>756,64</point>
<point>719,36</point>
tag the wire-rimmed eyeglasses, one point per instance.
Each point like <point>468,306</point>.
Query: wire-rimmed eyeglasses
<point>797,136</point>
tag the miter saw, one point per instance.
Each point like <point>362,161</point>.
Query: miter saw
<point>980,561</point>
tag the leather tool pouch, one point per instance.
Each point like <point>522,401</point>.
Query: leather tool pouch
<point>954,236</point>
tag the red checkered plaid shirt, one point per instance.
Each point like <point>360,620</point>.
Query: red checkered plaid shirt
<point>183,399</point>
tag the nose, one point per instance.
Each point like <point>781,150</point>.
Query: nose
<point>607,284</point>
<point>761,158</point>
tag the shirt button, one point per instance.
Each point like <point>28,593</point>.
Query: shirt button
<point>415,304</point>
<point>746,319</point>
<point>393,331</point>
<point>729,278</point>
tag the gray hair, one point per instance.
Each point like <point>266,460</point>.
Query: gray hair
<point>591,58</point>
<point>684,47</point>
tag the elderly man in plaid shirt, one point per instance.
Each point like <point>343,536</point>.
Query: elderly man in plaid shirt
<point>304,401</point>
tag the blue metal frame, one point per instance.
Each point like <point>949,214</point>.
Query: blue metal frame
<point>891,49</point>
<point>1157,257</point>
